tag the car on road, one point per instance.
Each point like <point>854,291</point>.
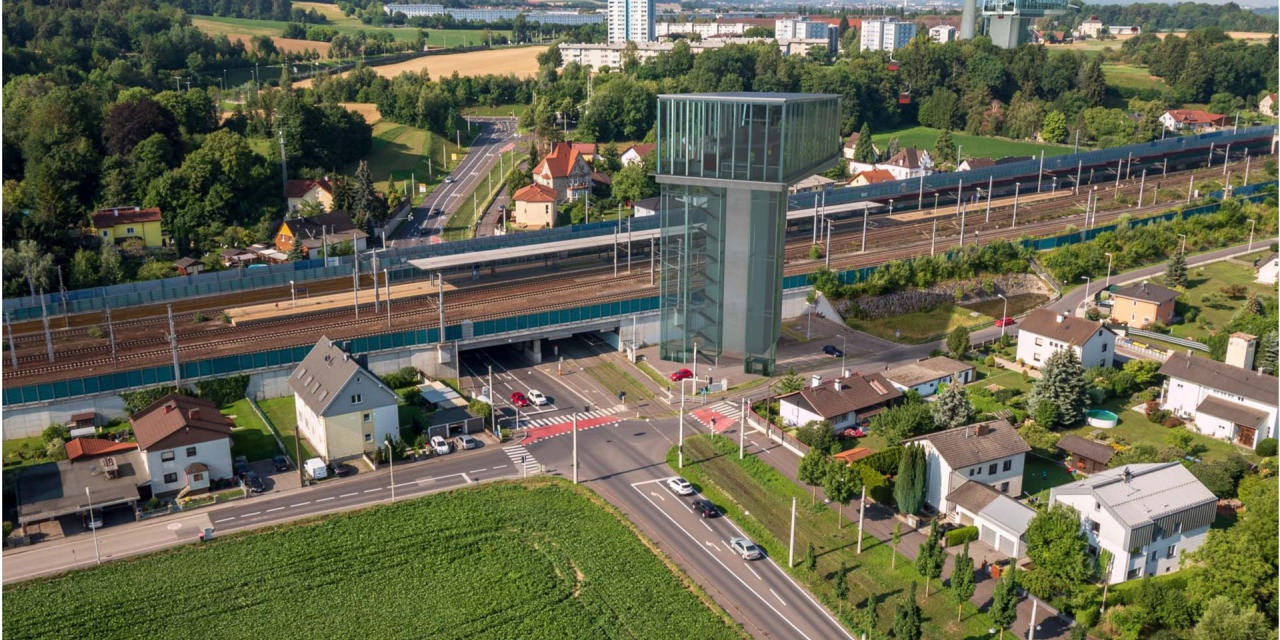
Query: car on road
<point>281,463</point>
<point>705,508</point>
<point>448,179</point>
<point>1006,321</point>
<point>342,470</point>
<point>241,464</point>
<point>746,549</point>
<point>536,397</point>
<point>682,374</point>
<point>467,442</point>
<point>519,400</point>
<point>93,520</point>
<point>254,482</point>
<point>440,445</point>
<point>680,486</point>
<point>832,350</point>
<point>435,211</point>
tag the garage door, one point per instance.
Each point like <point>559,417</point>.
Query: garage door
<point>1006,546</point>
<point>987,535</point>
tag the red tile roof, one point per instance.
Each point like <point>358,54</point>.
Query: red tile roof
<point>643,149</point>
<point>107,218</point>
<point>177,420</point>
<point>560,162</point>
<point>585,148</point>
<point>299,188</point>
<point>88,447</point>
<point>1195,116</point>
<point>852,140</point>
<point>873,176</point>
<point>535,193</point>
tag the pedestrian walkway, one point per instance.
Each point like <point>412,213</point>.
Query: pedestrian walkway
<point>599,413</point>
<point>719,417</point>
<point>522,459</point>
<point>561,428</point>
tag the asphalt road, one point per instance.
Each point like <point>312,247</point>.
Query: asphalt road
<point>494,135</point>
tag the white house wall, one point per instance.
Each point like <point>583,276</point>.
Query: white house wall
<point>941,481</point>
<point>1182,397</point>
<point>214,454</point>
<point>795,416</point>
<point>1097,352</point>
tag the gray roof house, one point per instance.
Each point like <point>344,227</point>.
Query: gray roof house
<point>927,374</point>
<point>989,452</point>
<point>1221,400</point>
<point>1145,515</point>
<point>1001,520</point>
<point>343,410</point>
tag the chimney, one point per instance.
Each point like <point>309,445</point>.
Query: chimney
<point>1060,317</point>
<point>116,211</point>
<point>1128,475</point>
<point>1241,348</point>
<point>137,208</point>
<point>169,407</point>
<point>837,385</point>
<point>815,381</point>
<point>194,414</point>
<point>984,429</point>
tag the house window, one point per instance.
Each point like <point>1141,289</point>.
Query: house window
<point>978,470</point>
<point>366,416</point>
<point>1097,506</point>
<point>971,473</point>
<point>355,398</point>
<point>1177,528</point>
<point>1095,526</point>
<point>106,234</point>
<point>191,452</point>
<point>1133,573</point>
<point>170,478</point>
<point>991,469</point>
<point>1039,342</point>
<point>368,437</point>
<point>1004,487</point>
<point>197,477</point>
<point>1036,357</point>
<point>1154,555</point>
<point>128,230</point>
<point>1104,348</point>
<point>1171,552</point>
<point>1008,464</point>
<point>167,456</point>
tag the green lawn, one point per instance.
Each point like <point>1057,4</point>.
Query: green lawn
<point>1041,474</point>
<point>216,26</point>
<point>401,151</point>
<point>921,326</point>
<point>1134,427</point>
<point>280,411</point>
<point>251,437</point>
<point>1018,303</point>
<point>1204,284</point>
<point>461,225</point>
<point>1126,76</point>
<point>758,498</point>
<point>542,559</point>
<point>615,379</point>
<point>980,146</point>
<point>1002,377</point>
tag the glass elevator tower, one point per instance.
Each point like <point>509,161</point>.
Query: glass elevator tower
<point>724,161</point>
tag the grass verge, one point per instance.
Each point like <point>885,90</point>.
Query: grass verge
<point>758,498</point>
<point>541,559</point>
<point>280,411</point>
<point>974,146</point>
<point>921,326</point>
<point>615,379</point>
<point>251,437</point>
<point>462,224</point>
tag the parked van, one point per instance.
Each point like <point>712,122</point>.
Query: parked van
<point>315,468</point>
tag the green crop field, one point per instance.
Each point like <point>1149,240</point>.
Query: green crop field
<point>1130,77</point>
<point>980,146</point>
<point>541,559</point>
<point>232,27</point>
<point>921,326</point>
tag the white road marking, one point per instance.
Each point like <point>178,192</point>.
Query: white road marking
<point>704,523</point>
<point>476,471</point>
<point>224,520</point>
<point>498,467</point>
<point>370,490</point>
<point>348,495</point>
<point>250,515</point>
<point>466,478</point>
<point>300,504</point>
<point>753,572</point>
<point>325,499</point>
<point>275,509</point>
<point>775,594</point>
<point>658,496</point>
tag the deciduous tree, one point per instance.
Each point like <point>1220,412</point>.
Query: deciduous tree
<point>841,484</point>
<point>958,342</point>
<point>907,618</point>
<point>1059,551</point>
<point>930,557</point>
<point>962,582</point>
<point>1004,601</point>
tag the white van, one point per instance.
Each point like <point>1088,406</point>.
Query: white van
<point>315,468</point>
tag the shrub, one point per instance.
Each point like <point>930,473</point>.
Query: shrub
<point>223,391</point>
<point>990,361</point>
<point>406,377</point>
<point>961,535</point>
<point>1172,421</point>
<point>1267,447</point>
<point>96,332</point>
<point>53,432</point>
<point>480,408</point>
<point>878,486</point>
<point>1093,314</point>
<point>1191,315</point>
<point>884,462</point>
<point>8,528</point>
<point>198,317</point>
<point>818,435</point>
<point>1158,416</point>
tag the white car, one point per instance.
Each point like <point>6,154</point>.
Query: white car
<point>440,445</point>
<point>680,486</point>
<point>746,549</point>
<point>467,442</point>
<point>536,397</point>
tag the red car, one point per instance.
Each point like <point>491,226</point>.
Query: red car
<point>1006,321</point>
<point>519,400</point>
<point>681,375</point>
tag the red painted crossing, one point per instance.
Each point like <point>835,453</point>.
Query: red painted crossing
<point>560,428</point>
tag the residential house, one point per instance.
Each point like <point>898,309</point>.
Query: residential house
<point>1090,28</point>
<point>585,149</point>
<point>188,266</point>
<point>1221,400</point>
<point>302,191</point>
<point>1144,515</point>
<point>969,164</point>
<point>1001,521</point>
<point>1194,120</point>
<point>535,207</point>
<point>185,443</point>
<point>237,257</point>
<point>1269,269</point>
<point>851,143</point>
<point>1085,456</point>
<point>82,448</point>
<point>813,183</point>
<point>989,452</point>
<point>342,409</point>
<point>870,177</point>
<point>315,233</point>
<point>845,403</point>
<point>1143,304</point>
<point>115,225</point>
<point>1269,105</point>
<point>565,171</point>
<point>1044,331</point>
<point>646,207</point>
<point>926,375</point>
<point>942,33</point>
<point>637,153</point>
<point>909,163</point>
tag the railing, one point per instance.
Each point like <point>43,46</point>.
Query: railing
<point>1181,342</point>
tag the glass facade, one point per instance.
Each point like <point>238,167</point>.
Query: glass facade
<point>724,163</point>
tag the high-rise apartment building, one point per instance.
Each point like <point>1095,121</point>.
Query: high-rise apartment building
<point>887,34</point>
<point>630,20</point>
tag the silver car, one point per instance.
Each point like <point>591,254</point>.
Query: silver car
<point>746,549</point>
<point>680,486</point>
<point>467,442</point>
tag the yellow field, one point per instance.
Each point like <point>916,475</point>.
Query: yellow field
<point>366,109</point>
<point>242,33</point>
<point>521,61</point>
<point>330,11</point>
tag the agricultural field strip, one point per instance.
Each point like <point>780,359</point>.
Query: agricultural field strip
<point>709,545</point>
<point>412,483</point>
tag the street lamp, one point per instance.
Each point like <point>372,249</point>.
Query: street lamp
<point>293,295</point>
<point>1087,282</point>
<point>1182,248</point>
<point>1251,225</point>
<point>844,346</point>
<point>391,466</point>
<point>96,553</point>
<point>1109,257</point>
<point>1003,314</point>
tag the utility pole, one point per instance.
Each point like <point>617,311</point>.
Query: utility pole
<point>13,350</point>
<point>284,170</point>
<point>1075,189</point>
<point>864,231</point>
<point>920,196</point>
<point>575,447</point>
<point>742,428</point>
<point>173,344</point>
<point>1142,187</point>
<point>355,285</point>
<point>990,184</point>
<point>934,242</point>
<point>862,510</point>
<point>44,317</point>
<point>1016,187</point>
<point>441,299</point>
<point>963,211</point>
<point>111,333</point>
<point>959,196</point>
<point>386,278</point>
<point>66,313</point>
<point>791,544</point>
<point>1040,174</point>
<point>680,438</point>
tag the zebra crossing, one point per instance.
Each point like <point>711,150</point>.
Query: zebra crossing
<point>565,419</point>
<point>728,409</point>
<point>522,459</point>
